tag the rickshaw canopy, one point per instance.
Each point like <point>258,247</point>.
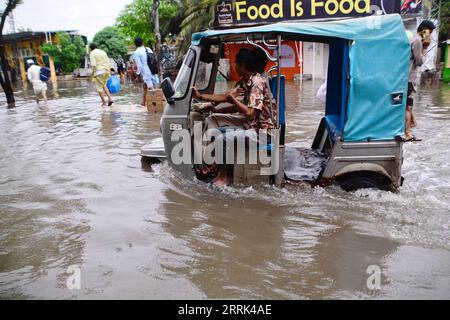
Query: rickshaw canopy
<point>377,69</point>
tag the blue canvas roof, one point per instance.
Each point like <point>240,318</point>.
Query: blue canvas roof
<point>379,67</point>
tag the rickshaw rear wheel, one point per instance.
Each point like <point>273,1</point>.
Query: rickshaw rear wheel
<point>364,180</point>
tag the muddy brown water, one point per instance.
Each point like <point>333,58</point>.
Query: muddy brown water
<point>73,191</point>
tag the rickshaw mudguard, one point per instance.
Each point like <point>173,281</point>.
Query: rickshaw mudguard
<point>381,157</point>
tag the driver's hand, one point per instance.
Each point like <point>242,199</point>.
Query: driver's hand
<point>195,93</point>
<point>235,93</point>
<point>209,107</point>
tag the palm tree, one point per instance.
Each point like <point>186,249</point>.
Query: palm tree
<point>197,17</point>
<point>9,5</point>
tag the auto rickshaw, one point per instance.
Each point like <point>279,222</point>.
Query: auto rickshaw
<point>360,137</point>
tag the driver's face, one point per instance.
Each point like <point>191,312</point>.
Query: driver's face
<point>239,69</point>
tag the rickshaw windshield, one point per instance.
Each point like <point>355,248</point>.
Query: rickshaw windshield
<point>203,75</point>
<point>181,84</point>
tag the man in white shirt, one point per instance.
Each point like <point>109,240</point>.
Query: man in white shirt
<point>415,62</point>
<point>39,86</point>
<point>151,80</point>
<point>322,92</point>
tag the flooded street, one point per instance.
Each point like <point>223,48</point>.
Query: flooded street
<point>73,191</point>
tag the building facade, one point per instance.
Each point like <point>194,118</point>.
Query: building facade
<point>21,46</point>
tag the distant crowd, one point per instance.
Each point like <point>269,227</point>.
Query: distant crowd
<point>142,67</point>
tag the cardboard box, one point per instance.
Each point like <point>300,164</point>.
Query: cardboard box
<point>155,101</point>
<point>156,93</point>
<point>156,107</point>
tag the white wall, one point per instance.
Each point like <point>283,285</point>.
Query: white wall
<point>315,59</point>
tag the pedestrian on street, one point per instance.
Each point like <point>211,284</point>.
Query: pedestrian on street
<point>100,72</point>
<point>148,73</point>
<point>34,76</point>
<point>416,61</point>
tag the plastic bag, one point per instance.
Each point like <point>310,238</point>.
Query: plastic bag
<point>113,84</point>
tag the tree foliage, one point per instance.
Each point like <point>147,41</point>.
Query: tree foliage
<point>112,41</point>
<point>68,53</point>
<point>136,19</point>
<point>445,15</point>
<point>198,15</point>
<point>5,10</point>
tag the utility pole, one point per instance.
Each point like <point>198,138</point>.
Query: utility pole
<point>155,15</point>
<point>4,78</point>
<point>16,57</point>
<point>12,23</point>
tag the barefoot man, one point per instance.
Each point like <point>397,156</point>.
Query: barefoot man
<point>149,77</point>
<point>100,72</point>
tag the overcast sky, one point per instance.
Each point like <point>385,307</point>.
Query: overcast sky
<point>87,16</point>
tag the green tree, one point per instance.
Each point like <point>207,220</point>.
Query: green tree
<point>68,53</point>
<point>445,20</point>
<point>112,41</point>
<point>9,6</point>
<point>198,17</point>
<point>136,19</point>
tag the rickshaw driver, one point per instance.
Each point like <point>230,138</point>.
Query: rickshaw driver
<point>250,97</point>
<point>248,63</point>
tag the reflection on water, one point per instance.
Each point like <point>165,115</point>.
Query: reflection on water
<point>74,191</point>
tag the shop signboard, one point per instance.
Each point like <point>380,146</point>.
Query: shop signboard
<point>249,12</point>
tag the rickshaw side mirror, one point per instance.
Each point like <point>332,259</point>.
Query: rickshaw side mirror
<point>168,90</point>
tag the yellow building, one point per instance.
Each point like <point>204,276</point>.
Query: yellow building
<point>19,47</point>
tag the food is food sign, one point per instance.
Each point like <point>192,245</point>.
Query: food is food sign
<point>236,12</point>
